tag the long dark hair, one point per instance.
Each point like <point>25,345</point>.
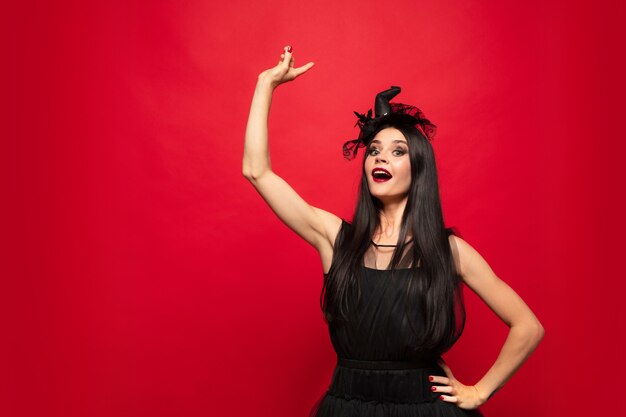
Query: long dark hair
<point>434,278</point>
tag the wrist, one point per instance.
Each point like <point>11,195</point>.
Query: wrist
<point>264,84</point>
<point>483,395</point>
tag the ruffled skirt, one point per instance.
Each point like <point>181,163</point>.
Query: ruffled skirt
<point>355,391</point>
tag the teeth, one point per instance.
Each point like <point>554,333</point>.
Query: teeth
<point>380,171</point>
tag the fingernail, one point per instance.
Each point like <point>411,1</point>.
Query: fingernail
<point>289,48</point>
<point>430,378</point>
<point>433,388</point>
<point>441,396</point>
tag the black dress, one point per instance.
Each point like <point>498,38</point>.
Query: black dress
<point>377,375</point>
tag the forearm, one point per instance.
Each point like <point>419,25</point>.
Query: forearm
<point>256,155</point>
<point>520,343</point>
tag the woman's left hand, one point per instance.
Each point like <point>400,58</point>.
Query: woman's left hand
<point>464,396</point>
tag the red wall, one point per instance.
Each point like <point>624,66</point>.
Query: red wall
<point>144,276</point>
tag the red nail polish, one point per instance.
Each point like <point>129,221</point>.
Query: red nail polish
<point>433,388</point>
<point>441,396</point>
<point>289,48</point>
<point>430,378</point>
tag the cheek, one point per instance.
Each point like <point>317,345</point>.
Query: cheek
<point>405,169</point>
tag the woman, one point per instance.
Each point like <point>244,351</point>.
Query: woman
<point>392,293</point>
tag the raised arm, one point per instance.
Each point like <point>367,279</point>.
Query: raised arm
<point>318,227</point>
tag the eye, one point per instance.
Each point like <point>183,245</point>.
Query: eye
<point>400,151</point>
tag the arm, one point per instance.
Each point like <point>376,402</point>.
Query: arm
<point>256,156</point>
<point>312,224</point>
<point>525,329</point>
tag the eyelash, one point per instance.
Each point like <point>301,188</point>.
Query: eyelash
<point>370,150</point>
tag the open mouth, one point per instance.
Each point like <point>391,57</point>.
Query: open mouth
<point>380,175</point>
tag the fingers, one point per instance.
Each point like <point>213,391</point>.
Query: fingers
<point>440,379</point>
<point>304,68</point>
<point>452,391</point>
<point>449,398</point>
<point>287,57</point>
<point>281,60</point>
<point>288,62</point>
<point>444,389</point>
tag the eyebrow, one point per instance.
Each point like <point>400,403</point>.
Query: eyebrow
<point>397,140</point>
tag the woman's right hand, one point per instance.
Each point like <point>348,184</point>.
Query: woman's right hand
<point>284,71</point>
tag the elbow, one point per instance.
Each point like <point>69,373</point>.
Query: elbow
<point>252,172</point>
<point>248,173</point>
<point>537,333</point>
<point>533,332</point>
<point>540,332</point>
<point>252,175</point>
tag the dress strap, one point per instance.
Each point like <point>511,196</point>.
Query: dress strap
<point>390,246</point>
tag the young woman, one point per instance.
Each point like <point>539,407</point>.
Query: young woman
<point>392,292</point>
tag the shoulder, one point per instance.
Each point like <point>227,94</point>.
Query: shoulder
<point>470,264</point>
<point>455,243</point>
<point>463,253</point>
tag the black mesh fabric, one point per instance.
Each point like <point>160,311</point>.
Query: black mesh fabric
<point>379,334</point>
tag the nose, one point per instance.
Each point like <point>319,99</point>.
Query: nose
<point>379,158</point>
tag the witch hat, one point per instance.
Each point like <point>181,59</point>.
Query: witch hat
<point>387,112</point>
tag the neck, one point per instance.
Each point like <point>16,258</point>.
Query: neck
<point>391,220</point>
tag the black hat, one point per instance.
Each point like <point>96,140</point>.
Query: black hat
<point>387,112</point>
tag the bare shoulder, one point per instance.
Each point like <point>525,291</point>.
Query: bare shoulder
<point>470,264</point>
<point>454,246</point>
<point>466,258</point>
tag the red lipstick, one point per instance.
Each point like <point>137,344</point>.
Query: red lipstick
<point>381,175</point>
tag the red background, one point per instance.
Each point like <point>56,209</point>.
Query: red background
<point>144,276</point>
